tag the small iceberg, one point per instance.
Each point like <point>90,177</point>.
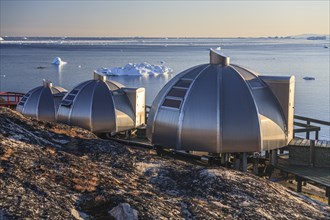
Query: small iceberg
<point>58,61</point>
<point>1,39</point>
<point>133,69</point>
<point>309,78</point>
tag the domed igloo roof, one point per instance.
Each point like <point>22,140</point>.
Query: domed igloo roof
<point>42,102</point>
<point>98,105</point>
<point>218,107</point>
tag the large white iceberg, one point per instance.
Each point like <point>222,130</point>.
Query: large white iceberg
<point>133,69</point>
<point>58,61</point>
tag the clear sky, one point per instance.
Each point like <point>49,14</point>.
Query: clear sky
<point>163,18</point>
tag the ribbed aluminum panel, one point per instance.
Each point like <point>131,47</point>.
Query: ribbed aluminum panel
<point>219,108</point>
<point>100,106</point>
<point>41,102</point>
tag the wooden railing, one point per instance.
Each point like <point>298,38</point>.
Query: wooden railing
<point>307,126</point>
<point>10,99</point>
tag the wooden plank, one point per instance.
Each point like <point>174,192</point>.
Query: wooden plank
<point>303,142</point>
<point>314,174</point>
<point>324,143</point>
<point>328,143</point>
<point>308,143</point>
<point>312,120</point>
<point>298,142</point>
<point>293,142</point>
<point>318,143</point>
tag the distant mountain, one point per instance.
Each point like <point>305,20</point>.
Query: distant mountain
<point>305,36</point>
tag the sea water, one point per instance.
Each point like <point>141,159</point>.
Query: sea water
<point>25,62</point>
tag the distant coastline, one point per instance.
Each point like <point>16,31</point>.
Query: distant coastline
<point>301,36</point>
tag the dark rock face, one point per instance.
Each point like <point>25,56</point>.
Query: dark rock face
<point>54,171</point>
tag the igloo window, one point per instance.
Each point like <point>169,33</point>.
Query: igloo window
<point>69,98</point>
<point>23,100</point>
<point>177,92</point>
<point>184,83</point>
<point>172,103</point>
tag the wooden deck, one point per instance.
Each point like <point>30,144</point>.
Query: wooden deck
<point>315,174</point>
<point>306,142</point>
<point>318,175</point>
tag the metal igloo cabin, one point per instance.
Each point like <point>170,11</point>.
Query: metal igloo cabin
<point>42,102</point>
<point>223,108</point>
<point>103,106</point>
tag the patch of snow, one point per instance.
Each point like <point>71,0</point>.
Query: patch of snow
<point>133,69</point>
<point>145,167</point>
<point>60,141</point>
<point>18,137</point>
<point>124,211</point>
<point>58,61</point>
<point>79,215</point>
<point>211,173</point>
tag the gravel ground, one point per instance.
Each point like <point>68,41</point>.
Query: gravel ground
<point>54,171</point>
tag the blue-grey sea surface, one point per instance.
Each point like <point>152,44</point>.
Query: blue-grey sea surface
<point>21,57</point>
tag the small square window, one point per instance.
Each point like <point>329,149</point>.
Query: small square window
<point>173,103</point>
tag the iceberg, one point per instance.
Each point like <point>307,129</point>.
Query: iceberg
<point>58,61</point>
<point>133,69</point>
<point>1,39</point>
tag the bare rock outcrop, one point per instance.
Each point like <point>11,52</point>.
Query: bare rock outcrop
<point>54,171</point>
<point>124,211</point>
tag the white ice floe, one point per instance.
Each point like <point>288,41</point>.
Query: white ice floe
<point>1,39</point>
<point>133,69</point>
<point>58,61</point>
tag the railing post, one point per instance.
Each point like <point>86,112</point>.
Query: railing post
<point>307,133</point>
<point>274,157</point>
<point>312,153</point>
<point>316,135</point>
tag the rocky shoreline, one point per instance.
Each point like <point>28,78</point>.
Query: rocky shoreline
<point>54,171</point>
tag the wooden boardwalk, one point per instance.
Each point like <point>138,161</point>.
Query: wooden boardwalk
<point>307,172</point>
<point>306,142</point>
<point>318,175</point>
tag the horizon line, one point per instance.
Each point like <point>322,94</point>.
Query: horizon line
<point>269,36</point>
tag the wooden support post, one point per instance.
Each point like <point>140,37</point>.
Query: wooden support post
<point>236,162</point>
<point>159,150</point>
<point>316,135</point>
<point>267,154</point>
<point>299,183</point>
<point>255,165</point>
<point>223,159</point>
<point>244,161</point>
<point>127,134</point>
<point>327,193</point>
<point>312,153</point>
<point>274,157</point>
